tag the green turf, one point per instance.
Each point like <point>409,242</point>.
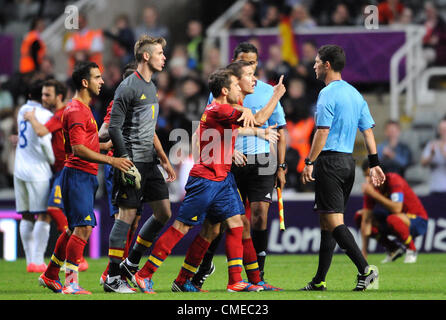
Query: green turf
<point>424,280</point>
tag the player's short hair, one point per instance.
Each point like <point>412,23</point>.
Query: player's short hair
<point>333,54</point>
<point>59,87</point>
<point>236,67</point>
<point>245,47</point>
<point>145,44</point>
<point>129,68</point>
<point>219,79</point>
<point>35,90</point>
<point>82,71</point>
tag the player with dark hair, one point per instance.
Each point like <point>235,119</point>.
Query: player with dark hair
<point>210,191</point>
<point>132,131</point>
<point>341,111</point>
<point>256,180</point>
<point>78,180</point>
<point>402,214</point>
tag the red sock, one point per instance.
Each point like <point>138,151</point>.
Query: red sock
<point>58,257</point>
<point>234,253</point>
<point>401,231</point>
<point>194,256</point>
<point>105,273</point>
<point>160,251</point>
<point>250,261</point>
<point>75,250</point>
<point>59,218</point>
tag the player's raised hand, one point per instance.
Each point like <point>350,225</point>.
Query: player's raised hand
<point>377,176</point>
<point>248,118</point>
<point>279,88</point>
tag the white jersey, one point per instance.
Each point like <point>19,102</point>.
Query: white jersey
<point>34,155</point>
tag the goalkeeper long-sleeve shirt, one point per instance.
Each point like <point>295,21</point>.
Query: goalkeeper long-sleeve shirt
<point>133,119</point>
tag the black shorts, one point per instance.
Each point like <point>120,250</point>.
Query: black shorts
<point>255,181</point>
<point>335,174</point>
<point>153,187</point>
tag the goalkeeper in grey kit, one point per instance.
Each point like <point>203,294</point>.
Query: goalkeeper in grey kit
<point>132,131</point>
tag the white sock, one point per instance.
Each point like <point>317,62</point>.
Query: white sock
<point>41,234</point>
<point>26,235</point>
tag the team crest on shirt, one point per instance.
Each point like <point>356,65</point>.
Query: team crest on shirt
<point>203,117</point>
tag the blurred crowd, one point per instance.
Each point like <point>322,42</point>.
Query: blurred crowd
<point>182,88</point>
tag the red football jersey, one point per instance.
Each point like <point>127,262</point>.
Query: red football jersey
<point>107,120</point>
<point>54,125</point>
<point>398,190</point>
<point>217,140</point>
<point>80,128</point>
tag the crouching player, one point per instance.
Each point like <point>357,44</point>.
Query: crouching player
<point>391,209</point>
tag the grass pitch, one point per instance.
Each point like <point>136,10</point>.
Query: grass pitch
<point>424,280</point>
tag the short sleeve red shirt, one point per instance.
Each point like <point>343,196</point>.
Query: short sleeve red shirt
<point>54,125</point>
<point>397,189</point>
<point>80,128</point>
<point>107,120</point>
<point>217,132</point>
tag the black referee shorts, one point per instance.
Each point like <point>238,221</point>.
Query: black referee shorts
<point>334,173</point>
<point>153,187</point>
<point>255,181</point>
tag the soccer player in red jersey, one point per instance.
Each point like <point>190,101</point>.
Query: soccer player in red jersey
<point>53,97</point>
<point>78,180</point>
<point>403,216</point>
<point>210,190</point>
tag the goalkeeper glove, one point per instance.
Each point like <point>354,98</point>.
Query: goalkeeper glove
<point>132,178</point>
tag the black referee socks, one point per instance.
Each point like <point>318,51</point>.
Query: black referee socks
<point>345,240</point>
<point>328,244</point>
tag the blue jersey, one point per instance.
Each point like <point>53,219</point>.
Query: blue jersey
<point>256,101</point>
<point>342,109</point>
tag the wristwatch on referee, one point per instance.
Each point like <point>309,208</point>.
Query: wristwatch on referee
<point>283,166</point>
<point>308,162</point>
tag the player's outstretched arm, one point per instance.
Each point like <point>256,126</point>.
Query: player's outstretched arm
<point>38,127</point>
<point>263,115</point>
<point>87,154</point>
<point>269,134</point>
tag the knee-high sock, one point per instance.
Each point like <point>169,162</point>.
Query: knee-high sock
<point>161,251</point>
<point>59,218</point>
<point>41,234</point>
<point>193,259</point>
<point>75,251</point>
<point>260,241</point>
<point>328,244</point>
<point>234,253</point>
<point>250,261</point>
<point>117,244</point>
<point>26,235</point>
<point>58,257</point>
<point>401,231</point>
<point>146,236</point>
<point>345,240</point>
<point>209,255</point>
